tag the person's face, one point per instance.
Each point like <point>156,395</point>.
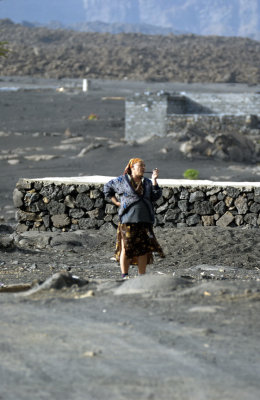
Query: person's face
<point>138,169</point>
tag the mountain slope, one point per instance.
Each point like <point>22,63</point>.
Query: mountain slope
<point>179,58</point>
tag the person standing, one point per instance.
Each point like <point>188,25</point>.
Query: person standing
<point>135,237</point>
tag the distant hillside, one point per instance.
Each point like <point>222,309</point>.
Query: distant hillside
<point>103,27</point>
<point>180,58</point>
<point>202,17</point>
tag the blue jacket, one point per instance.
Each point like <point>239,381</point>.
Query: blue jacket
<point>128,196</point>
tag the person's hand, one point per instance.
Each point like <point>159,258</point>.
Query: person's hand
<point>115,201</point>
<point>155,173</point>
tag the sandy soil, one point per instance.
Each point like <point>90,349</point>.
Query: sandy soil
<point>189,329</point>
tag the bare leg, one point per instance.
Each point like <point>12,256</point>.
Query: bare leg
<point>124,262</point>
<point>142,262</point>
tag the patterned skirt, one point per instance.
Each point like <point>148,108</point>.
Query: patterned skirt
<point>138,239</point>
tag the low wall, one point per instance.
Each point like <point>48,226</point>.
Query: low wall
<point>214,123</point>
<point>228,103</point>
<point>63,204</point>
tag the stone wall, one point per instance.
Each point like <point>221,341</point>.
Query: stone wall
<point>69,204</point>
<point>215,123</point>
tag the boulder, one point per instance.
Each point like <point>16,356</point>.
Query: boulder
<point>226,146</point>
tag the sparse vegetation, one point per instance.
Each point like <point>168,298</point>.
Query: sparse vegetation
<point>191,174</point>
<point>92,117</point>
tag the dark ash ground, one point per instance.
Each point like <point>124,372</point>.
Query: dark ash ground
<point>188,330</point>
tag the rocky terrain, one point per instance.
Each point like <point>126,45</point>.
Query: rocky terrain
<point>178,58</point>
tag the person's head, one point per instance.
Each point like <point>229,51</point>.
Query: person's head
<point>135,166</point>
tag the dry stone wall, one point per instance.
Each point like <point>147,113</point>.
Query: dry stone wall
<point>214,124</point>
<point>60,205</point>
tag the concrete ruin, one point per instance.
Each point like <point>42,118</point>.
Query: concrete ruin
<point>162,113</point>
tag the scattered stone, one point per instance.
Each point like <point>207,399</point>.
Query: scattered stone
<point>66,147</point>
<point>91,146</point>
<point>227,146</point>
<point>33,239</point>
<point>73,140</point>
<point>15,288</point>
<point>41,157</point>
<point>225,220</point>
<point>89,293</point>
<point>6,242</point>
<point>14,161</point>
<point>205,309</point>
<point>68,241</point>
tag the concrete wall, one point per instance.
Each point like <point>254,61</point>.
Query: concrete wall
<point>145,116</point>
<point>65,204</point>
<point>228,104</point>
